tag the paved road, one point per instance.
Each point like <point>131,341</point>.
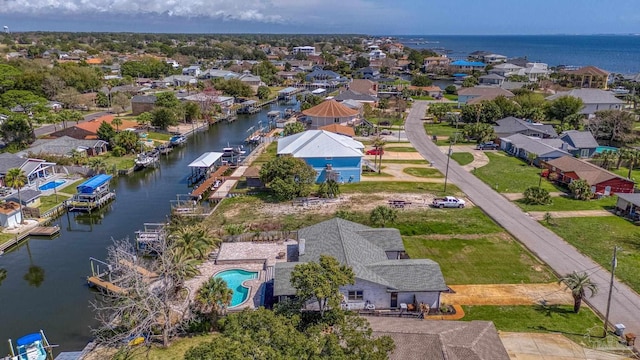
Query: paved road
<point>550,248</point>
<point>48,129</point>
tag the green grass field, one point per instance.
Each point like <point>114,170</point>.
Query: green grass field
<point>462,158</point>
<point>475,261</point>
<point>564,203</point>
<point>451,97</point>
<point>121,163</point>
<point>158,136</point>
<point>538,318</point>
<point>596,238</point>
<point>48,202</point>
<point>440,129</point>
<point>423,172</point>
<point>269,153</point>
<point>71,188</point>
<point>445,221</point>
<point>400,149</point>
<point>508,174</point>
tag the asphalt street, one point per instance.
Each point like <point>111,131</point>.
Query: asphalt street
<point>546,245</point>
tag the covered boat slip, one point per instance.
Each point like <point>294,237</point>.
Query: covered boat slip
<point>203,166</point>
<point>94,185</point>
<point>91,194</point>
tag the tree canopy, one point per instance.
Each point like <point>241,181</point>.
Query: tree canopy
<point>564,106</point>
<point>288,177</point>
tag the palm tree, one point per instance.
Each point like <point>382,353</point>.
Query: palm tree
<point>333,188</point>
<point>97,164</point>
<point>633,158</point>
<point>117,122</point>
<point>214,296</point>
<point>183,267</point>
<point>378,144</point>
<point>607,158</point>
<point>193,241</point>
<point>382,215</point>
<point>16,179</point>
<point>623,154</point>
<point>579,283</point>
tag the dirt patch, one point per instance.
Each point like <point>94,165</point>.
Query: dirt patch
<point>508,294</point>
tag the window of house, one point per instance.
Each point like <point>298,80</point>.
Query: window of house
<point>356,295</point>
<point>328,158</point>
<point>336,120</point>
<point>584,153</point>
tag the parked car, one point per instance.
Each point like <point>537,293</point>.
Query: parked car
<point>488,146</point>
<point>385,132</point>
<point>448,201</point>
<point>375,152</point>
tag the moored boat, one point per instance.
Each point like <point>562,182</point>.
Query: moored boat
<point>177,140</point>
<point>33,346</point>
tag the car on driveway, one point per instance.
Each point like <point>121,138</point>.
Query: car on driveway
<point>488,146</point>
<point>375,152</point>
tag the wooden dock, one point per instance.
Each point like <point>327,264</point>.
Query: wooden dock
<point>202,188</point>
<point>224,189</point>
<point>44,231</point>
<point>149,275</point>
<point>104,285</point>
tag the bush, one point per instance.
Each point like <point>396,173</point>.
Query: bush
<point>118,151</point>
<point>537,196</point>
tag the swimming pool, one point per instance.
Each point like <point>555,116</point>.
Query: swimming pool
<point>51,185</point>
<point>600,149</point>
<point>234,279</point>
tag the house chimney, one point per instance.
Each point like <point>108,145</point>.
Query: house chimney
<point>301,244</point>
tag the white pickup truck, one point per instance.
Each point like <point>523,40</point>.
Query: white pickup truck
<point>448,201</point>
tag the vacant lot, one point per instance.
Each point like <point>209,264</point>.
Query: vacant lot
<point>423,172</point>
<point>596,238</point>
<point>508,174</point>
<point>476,261</point>
<point>557,319</point>
<point>565,203</point>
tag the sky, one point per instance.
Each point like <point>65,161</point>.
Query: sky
<point>374,17</point>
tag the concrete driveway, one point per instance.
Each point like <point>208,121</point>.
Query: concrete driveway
<point>546,245</point>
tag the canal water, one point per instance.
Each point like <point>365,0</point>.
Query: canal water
<point>45,287</point>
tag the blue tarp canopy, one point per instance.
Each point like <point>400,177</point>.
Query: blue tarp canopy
<point>90,186</point>
<point>29,339</point>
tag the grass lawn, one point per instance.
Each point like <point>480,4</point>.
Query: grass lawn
<point>371,187</point>
<point>4,237</point>
<point>423,172</point>
<point>158,136</point>
<point>400,149</point>
<point>121,163</point>
<point>440,129</point>
<point>422,98</point>
<point>564,203</point>
<point>538,318</point>
<point>445,221</point>
<point>510,174</point>
<point>49,202</point>
<point>451,97</point>
<point>374,174</point>
<point>71,188</point>
<point>176,350</point>
<point>462,158</point>
<point>623,171</point>
<point>268,154</point>
<point>473,261</point>
<point>596,238</point>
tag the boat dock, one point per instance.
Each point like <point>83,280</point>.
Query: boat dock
<point>148,275</point>
<point>89,206</point>
<point>101,277</point>
<point>202,188</point>
<point>44,231</point>
<point>95,281</point>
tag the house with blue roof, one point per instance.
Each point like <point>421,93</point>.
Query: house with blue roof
<point>467,66</point>
<point>332,156</point>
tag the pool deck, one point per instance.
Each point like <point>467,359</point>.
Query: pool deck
<point>248,256</point>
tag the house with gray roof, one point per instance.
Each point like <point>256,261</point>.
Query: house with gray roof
<point>36,170</point>
<point>356,96</point>
<point>543,149</point>
<point>583,141</point>
<point>593,100</point>
<point>66,145</point>
<point>438,340</point>
<point>385,277</point>
<point>513,125</point>
<point>492,79</point>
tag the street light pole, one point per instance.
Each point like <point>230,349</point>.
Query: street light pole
<point>614,264</point>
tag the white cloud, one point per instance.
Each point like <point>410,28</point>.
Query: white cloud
<point>313,12</point>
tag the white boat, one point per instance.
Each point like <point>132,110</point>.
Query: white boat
<point>33,346</point>
<point>620,90</point>
<point>177,140</point>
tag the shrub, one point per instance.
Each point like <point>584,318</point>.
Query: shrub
<point>537,196</point>
<point>118,151</point>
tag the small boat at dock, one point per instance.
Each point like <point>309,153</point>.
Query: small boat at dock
<point>177,140</point>
<point>146,159</point>
<point>33,346</point>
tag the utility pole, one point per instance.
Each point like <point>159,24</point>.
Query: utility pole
<point>614,264</point>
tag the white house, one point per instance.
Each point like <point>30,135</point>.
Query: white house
<point>384,277</point>
<point>10,215</point>
<point>593,100</point>
<point>307,50</point>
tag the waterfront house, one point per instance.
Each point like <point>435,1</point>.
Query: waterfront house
<point>142,103</point>
<point>583,141</point>
<point>433,91</point>
<point>442,339</point>
<point>28,197</point>
<point>585,77</point>
<point>356,96</point>
<point>505,69</point>
<point>436,62</point>
<point>66,145</point>
<point>252,80</point>
<point>364,86</point>
<point>331,155</point>
<point>36,170</point>
<point>319,74</point>
<point>512,125</point>
<point>330,112</point>
<point>384,277</point>
<point>493,59</point>
<point>88,130</point>
<point>10,215</point>
<point>602,182</point>
<point>367,72</point>
<point>477,94</point>
<point>593,100</point>
<point>464,66</point>
<point>523,146</point>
